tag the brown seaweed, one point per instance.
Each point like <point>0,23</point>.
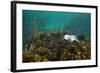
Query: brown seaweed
<point>50,46</point>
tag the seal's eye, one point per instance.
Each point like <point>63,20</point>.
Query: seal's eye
<point>67,37</point>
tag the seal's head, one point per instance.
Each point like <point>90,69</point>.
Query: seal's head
<point>66,37</point>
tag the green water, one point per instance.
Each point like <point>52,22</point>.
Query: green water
<point>51,21</point>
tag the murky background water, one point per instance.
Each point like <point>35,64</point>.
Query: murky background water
<point>76,23</point>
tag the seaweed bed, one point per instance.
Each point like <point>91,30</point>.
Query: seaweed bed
<point>51,46</point>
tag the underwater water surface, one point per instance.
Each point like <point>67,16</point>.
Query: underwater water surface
<point>43,36</point>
